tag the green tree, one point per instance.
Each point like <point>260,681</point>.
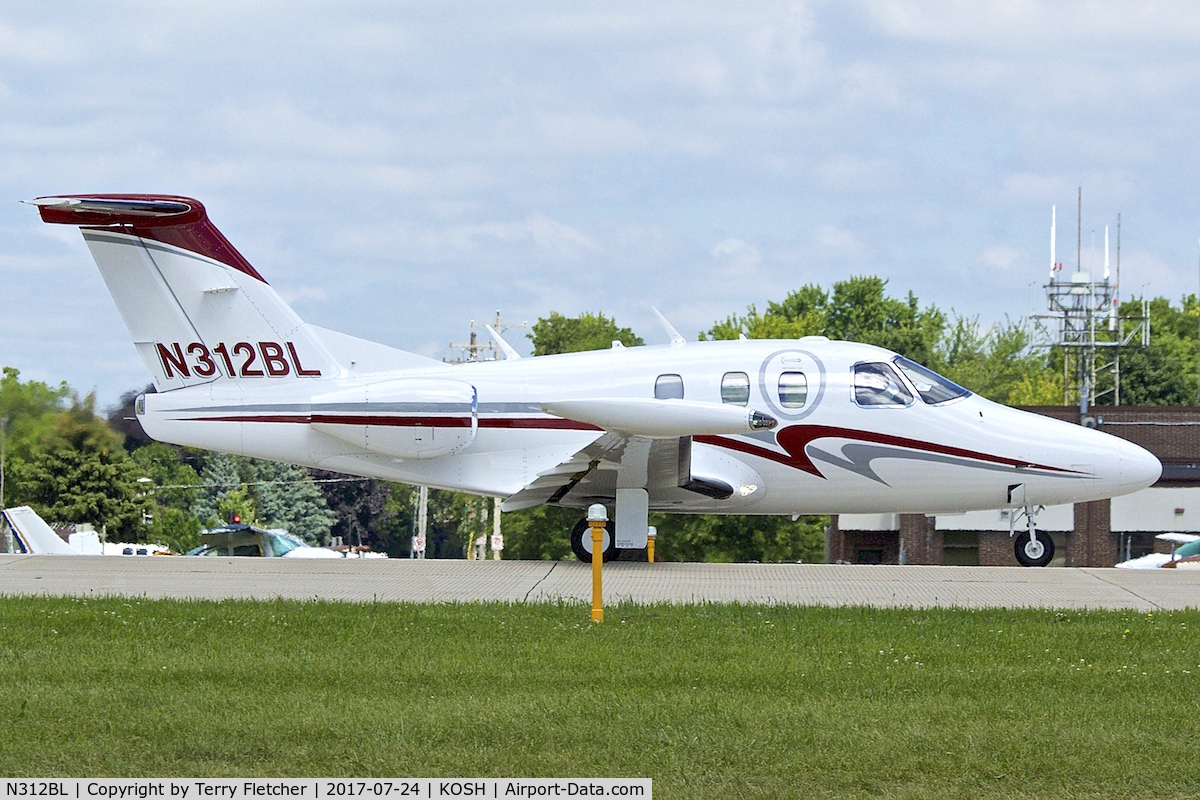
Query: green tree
<point>707,537</point>
<point>541,533</point>
<point>79,472</point>
<point>219,477</point>
<point>235,504</point>
<point>365,511</point>
<point>29,410</point>
<point>1163,374</point>
<point>858,310</point>
<point>287,498</point>
<point>998,364</point>
<point>588,331</point>
<point>170,486</point>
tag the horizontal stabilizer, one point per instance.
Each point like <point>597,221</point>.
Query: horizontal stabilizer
<point>643,416</point>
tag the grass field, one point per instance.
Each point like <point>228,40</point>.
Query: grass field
<point>709,701</point>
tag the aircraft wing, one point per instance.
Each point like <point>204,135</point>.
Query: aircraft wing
<point>590,475</point>
<point>1177,538</point>
<point>647,444</point>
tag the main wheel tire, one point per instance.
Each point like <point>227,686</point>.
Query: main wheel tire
<point>1032,553</point>
<point>581,541</point>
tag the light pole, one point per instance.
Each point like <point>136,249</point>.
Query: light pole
<point>3,436</point>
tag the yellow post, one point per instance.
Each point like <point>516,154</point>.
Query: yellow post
<point>597,519</point>
<point>651,534</point>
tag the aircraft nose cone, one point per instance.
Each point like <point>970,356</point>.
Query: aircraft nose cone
<point>1139,467</point>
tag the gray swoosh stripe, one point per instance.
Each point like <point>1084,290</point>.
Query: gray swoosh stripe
<point>858,458</point>
<point>385,408</point>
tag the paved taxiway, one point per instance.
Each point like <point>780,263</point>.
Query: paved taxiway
<point>434,581</point>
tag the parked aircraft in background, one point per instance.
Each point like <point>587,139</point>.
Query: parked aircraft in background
<point>33,536</point>
<point>240,539</point>
<point>801,426</point>
<point>1185,554</point>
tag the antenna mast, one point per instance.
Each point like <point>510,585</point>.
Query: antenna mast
<point>1083,321</point>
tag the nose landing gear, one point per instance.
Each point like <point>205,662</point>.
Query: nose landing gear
<point>1031,549</point>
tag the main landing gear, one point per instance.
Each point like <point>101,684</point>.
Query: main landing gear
<point>581,542</point>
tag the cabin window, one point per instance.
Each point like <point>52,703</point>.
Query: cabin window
<point>735,388</point>
<point>932,387</point>
<point>878,386</point>
<point>793,389</point>
<point>669,387</point>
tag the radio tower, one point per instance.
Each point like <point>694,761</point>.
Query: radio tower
<point>1083,320</point>
<point>474,351</point>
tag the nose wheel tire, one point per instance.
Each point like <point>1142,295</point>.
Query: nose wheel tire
<point>1034,553</point>
<point>581,542</point>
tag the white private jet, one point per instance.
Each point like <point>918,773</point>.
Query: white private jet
<point>806,426</point>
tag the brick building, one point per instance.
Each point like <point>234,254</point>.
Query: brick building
<point>1097,534</point>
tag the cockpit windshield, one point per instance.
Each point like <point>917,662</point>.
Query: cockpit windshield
<point>932,387</point>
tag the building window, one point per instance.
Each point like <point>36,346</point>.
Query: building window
<point>735,388</point>
<point>868,555</point>
<point>961,548</point>
<point>669,387</point>
<point>793,390</point>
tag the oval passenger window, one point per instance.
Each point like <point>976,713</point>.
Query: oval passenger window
<point>669,387</point>
<point>735,388</point>
<point>793,389</point>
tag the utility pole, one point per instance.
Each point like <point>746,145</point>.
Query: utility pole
<point>418,542</point>
<point>8,542</point>
<point>472,350</point>
<point>497,537</point>
<point>3,437</point>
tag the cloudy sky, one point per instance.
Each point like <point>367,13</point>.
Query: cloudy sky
<point>398,169</point>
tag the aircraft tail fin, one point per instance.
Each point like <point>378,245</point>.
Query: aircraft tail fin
<point>197,310</point>
<point>32,535</point>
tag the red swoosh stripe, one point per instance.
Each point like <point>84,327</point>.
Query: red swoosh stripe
<point>795,439</point>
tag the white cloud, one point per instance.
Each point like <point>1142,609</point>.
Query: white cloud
<point>737,254</point>
<point>835,242</point>
<point>849,174</point>
<point>1034,24</point>
<point>443,159</point>
<point>1030,188</point>
<point>300,294</point>
<point>1003,258</point>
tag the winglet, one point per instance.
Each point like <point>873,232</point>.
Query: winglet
<point>171,219</point>
<point>510,354</point>
<point>676,339</point>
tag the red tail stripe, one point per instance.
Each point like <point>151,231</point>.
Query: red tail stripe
<point>189,230</point>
